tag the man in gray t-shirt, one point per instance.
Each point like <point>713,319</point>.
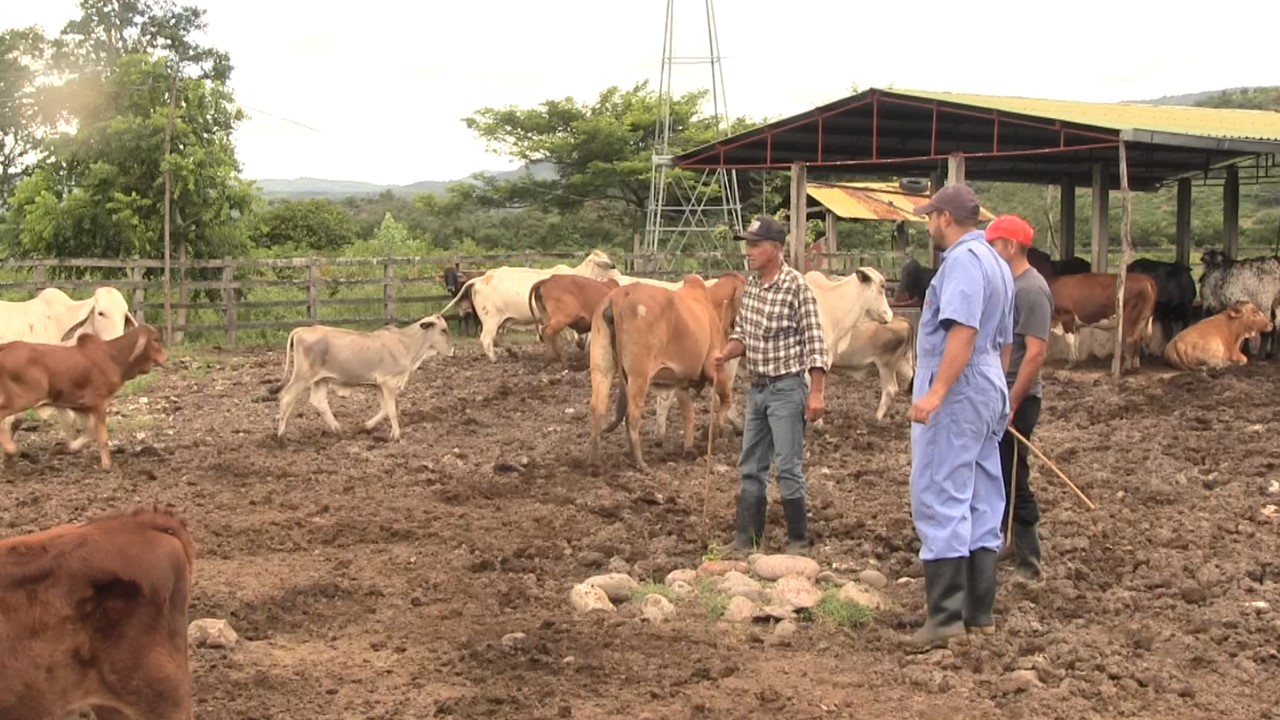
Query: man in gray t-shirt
<point>1010,236</point>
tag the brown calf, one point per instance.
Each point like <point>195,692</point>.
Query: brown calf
<point>83,377</point>
<point>649,335</point>
<point>566,301</point>
<point>95,616</point>
<point>1215,341</point>
<point>1090,299</point>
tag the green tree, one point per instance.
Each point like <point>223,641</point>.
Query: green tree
<point>305,225</point>
<point>100,190</point>
<point>22,122</point>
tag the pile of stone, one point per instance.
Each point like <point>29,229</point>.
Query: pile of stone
<point>763,588</point>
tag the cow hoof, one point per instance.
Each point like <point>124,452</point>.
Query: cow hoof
<point>690,454</point>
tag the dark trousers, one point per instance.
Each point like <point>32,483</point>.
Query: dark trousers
<point>1025,510</point>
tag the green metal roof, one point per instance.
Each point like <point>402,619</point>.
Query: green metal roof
<point>1204,122</point>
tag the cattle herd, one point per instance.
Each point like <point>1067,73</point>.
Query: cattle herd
<point>70,358</point>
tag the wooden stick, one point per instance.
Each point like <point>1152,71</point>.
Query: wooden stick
<point>1013,494</point>
<point>706,483</point>
<point>1053,467</point>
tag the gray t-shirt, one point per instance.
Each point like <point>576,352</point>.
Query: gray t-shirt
<point>1032,315</point>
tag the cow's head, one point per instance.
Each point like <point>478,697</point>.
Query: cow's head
<point>106,315</point>
<point>1248,315</point>
<point>913,281</point>
<point>726,294</point>
<point>435,330</point>
<point>877,302</point>
<point>1214,259</point>
<point>597,264</point>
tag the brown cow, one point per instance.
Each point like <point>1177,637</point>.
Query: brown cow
<point>83,377</point>
<point>94,616</point>
<point>566,301</point>
<point>1215,342</point>
<point>1090,299</point>
<point>650,335</point>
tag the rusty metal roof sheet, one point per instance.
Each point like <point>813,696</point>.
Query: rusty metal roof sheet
<point>1176,119</point>
<point>872,201</point>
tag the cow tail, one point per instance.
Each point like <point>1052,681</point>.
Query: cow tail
<point>284,372</point>
<point>463,296</point>
<point>611,327</point>
<point>536,307</point>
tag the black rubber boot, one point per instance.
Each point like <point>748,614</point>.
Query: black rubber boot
<point>797,525</point>
<point>1026,546</point>
<point>944,586</point>
<point>750,531</point>
<point>980,592</point>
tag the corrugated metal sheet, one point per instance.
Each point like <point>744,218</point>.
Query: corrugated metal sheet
<point>1204,122</point>
<point>871,201</point>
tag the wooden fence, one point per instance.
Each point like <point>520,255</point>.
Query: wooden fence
<point>225,300</point>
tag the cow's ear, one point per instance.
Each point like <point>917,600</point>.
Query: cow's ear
<point>863,277</point>
<point>1235,311</point>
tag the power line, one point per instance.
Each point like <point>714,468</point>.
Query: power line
<point>278,117</point>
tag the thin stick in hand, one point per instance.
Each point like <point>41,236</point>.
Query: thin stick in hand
<point>1053,467</point>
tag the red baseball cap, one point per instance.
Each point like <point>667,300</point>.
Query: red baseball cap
<point>1010,227</point>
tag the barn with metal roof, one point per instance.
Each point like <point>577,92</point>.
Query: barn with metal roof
<point>898,133</point>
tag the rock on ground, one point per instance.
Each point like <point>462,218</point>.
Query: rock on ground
<point>617,586</point>
<point>586,598</point>
<point>656,608</point>
<point>853,592</point>
<point>211,633</point>
<point>684,575</point>
<point>740,610</point>
<point>795,592</point>
<point>774,567</point>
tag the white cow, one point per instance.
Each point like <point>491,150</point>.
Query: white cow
<point>859,329</point>
<point>386,357</point>
<point>500,297</point>
<point>53,318</point>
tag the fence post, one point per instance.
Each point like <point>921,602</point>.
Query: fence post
<point>313,311</point>
<point>229,299</point>
<point>388,292</point>
<point>38,275</point>
<point>139,311</point>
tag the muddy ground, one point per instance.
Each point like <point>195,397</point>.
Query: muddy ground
<point>376,580</point>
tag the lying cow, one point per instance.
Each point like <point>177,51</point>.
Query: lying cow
<point>1089,299</point>
<point>94,616</point>
<point>853,312</point>
<point>53,318</point>
<point>566,301</point>
<point>647,335</point>
<point>1226,281</point>
<point>500,297</point>
<point>1215,342</point>
<point>83,378</point>
<point>325,356</point>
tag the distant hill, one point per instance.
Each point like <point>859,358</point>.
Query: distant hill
<point>1200,98</point>
<point>305,188</point>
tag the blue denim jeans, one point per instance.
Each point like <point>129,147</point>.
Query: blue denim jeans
<point>773,432</point>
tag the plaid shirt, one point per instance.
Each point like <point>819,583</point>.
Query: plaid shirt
<point>779,327</point>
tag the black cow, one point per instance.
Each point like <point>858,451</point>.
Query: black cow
<point>1175,293</point>
<point>454,279</point>
<point>1044,263</point>
<point>913,281</point>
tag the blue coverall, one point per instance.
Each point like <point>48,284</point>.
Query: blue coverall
<point>957,490</point>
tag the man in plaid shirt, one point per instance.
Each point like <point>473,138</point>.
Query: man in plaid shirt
<point>777,329</point>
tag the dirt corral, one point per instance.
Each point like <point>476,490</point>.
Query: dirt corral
<point>377,580</point>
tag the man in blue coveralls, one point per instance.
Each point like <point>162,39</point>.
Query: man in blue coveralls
<point>959,410</point>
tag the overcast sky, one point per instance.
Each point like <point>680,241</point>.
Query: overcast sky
<point>386,83</point>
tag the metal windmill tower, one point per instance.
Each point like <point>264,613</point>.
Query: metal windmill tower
<point>686,208</point>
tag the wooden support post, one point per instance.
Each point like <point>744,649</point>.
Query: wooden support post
<point>229,299</point>
<point>1126,257</point>
<point>1101,206</point>
<point>1182,230</point>
<point>635,253</point>
<point>168,203</point>
<point>902,237</point>
<point>830,244</point>
<point>388,293</point>
<point>137,305</point>
<point>955,168</point>
<point>1067,219</point>
<point>313,299</point>
<point>799,214</point>
<point>1231,212</point>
